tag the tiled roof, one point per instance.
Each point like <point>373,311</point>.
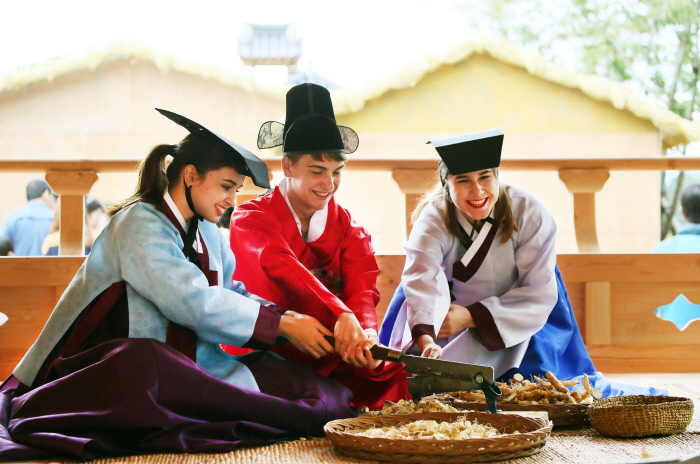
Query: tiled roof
<point>269,45</point>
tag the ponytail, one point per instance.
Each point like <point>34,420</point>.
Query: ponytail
<point>152,180</point>
<point>204,153</point>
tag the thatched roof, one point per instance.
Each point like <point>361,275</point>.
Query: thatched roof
<point>130,49</point>
<point>674,129</point>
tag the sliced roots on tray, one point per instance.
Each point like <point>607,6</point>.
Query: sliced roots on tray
<point>460,429</point>
<point>549,390</point>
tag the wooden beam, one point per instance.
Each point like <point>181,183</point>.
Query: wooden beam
<point>97,165</point>
<point>645,358</point>
<point>641,267</point>
<point>660,163</point>
<point>21,271</point>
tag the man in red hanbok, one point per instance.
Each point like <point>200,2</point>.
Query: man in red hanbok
<point>297,247</point>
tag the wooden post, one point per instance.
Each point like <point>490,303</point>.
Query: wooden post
<point>72,186</point>
<point>584,183</point>
<point>413,184</point>
<point>597,305</point>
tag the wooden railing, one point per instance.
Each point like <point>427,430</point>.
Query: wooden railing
<point>613,296</point>
<point>582,177</point>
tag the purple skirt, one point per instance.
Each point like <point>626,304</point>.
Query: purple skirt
<point>140,396</point>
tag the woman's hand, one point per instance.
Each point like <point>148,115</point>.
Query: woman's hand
<point>306,333</point>
<point>428,348</point>
<point>458,318</point>
<point>350,338</point>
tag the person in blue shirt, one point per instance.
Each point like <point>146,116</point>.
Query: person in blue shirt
<point>688,238</point>
<point>27,227</point>
<point>6,248</point>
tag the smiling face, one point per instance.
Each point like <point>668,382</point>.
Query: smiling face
<point>474,193</point>
<point>311,183</point>
<point>214,192</point>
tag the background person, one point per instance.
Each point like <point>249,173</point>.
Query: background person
<point>6,248</point>
<point>27,227</point>
<point>688,238</point>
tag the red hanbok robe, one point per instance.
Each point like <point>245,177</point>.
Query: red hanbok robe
<point>332,274</point>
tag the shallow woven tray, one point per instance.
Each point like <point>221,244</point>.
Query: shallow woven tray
<point>532,437</point>
<point>561,414</point>
<point>641,416</point>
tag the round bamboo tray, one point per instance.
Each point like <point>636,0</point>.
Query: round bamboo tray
<point>561,414</point>
<point>641,416</point>
<point>532,437</point>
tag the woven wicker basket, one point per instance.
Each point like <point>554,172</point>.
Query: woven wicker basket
<point>641,416</point>
<point>532,437</point>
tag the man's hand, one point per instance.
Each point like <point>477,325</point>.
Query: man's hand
<point>428,348</point>
<point>306,333</point>
<point>458,318</point>
<point>351,340</point>
<point>362,357</point>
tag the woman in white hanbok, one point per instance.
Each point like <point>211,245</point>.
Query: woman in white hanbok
<point>481,284</point>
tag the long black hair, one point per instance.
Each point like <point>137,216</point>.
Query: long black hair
<point>155,174</point>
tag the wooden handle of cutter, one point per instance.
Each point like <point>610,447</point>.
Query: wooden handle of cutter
<point>378,352</point>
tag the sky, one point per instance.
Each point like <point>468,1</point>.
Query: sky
<point>349,42</point>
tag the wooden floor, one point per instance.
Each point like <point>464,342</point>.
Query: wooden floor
<point>681,384</point>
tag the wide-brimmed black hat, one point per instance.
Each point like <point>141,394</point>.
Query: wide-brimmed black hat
<point>251,165</point>
<point>470,152</point>
<point>309,126</point>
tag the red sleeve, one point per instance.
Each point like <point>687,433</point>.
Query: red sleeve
<point>268,267</point>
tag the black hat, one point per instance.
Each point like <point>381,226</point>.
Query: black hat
<point>251,165</point>
<point>309,126</point>
<point>470,152</point>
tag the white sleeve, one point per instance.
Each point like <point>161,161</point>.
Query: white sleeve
<point>424,281</point>
<point>523,310</point>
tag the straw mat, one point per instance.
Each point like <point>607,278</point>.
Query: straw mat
<point>565,445</point>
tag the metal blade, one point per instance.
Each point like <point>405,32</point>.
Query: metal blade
<point>437,376</point>
<point>427,366</point>
<point>455,370</point>
<point>428,385</point>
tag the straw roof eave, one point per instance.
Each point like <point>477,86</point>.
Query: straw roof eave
<point>134,50</point>
<point>674,129</point>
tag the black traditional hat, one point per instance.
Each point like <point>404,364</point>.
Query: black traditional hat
<point>470,152</point>
<point>250,164</point>
<point>309,126</point>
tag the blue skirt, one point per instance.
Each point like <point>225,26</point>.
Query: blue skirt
<point>558,347</point>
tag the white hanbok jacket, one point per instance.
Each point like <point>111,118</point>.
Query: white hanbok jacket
<point>510,296</point>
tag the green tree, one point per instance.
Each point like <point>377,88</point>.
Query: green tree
<point>650,45</point>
